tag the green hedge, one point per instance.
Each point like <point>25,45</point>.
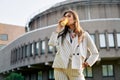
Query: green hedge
<point>14,76</point>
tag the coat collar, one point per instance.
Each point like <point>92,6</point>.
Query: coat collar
<point>74,42</point>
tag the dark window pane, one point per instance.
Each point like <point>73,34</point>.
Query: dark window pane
<point>51,74</point>
<point>88,72</point>
<point>40,75</point>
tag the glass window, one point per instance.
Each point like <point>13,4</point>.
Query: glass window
<point>110,70</point>
<point>118,39</point>
<point>36,48</point>
<point>33,77</point>
<point>51,74</point>
<point>55,49</point>
<point>4,37</point>
<point>111,40</point>
<point>102,40</point>
<point>40,75</point>
<point>31,49</point>
<point>26,50</point>
<point>43,47</point>
<point>104,70</point>
<point>88,72</point>
<point>107,70</point>
<point>50,49</point>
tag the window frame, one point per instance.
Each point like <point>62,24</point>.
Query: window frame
<point>1,37</point>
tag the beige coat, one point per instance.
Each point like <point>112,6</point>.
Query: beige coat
<point>79,52</point>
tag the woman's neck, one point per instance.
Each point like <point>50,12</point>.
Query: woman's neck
<point>71,27</point>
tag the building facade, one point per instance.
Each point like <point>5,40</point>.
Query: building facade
<point>31,55</point>
<point>9,33</point>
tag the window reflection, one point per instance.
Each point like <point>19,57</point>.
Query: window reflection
<point>51,74</point>
<point>36,48</point>
<point>118,39</point>
<point>40,75</point>
<point>43,47</point>
<point>88,72</point>
<point>50,49</point>
<point>102,40</point>
<point>107,70</point>
<point>111,40</point>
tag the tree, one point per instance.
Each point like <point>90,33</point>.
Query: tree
<point>14,76</point>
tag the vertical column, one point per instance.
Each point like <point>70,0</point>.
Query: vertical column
<point>28,52</point>
<point>11,60</point>
<point>45,73</point>
<point>24,52</point>
<point>97,40</point>
<point>39,50</point>
<point>46,50</point>
<point>18,53</point>
<point>115,39</point>
<point>34,49</point>
<point>106,39</point>
<point>46,46</point>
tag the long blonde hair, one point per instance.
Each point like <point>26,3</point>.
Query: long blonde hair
<point>78,29</point>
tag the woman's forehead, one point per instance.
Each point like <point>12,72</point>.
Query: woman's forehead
<point>68,13</point>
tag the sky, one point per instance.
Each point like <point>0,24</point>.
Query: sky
<point>18,12</point>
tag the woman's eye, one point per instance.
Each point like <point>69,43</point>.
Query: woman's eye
<point>69,16</point>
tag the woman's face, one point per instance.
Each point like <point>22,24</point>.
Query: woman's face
<point>70,17</point>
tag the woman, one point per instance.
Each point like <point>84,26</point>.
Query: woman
<point>72,44</point>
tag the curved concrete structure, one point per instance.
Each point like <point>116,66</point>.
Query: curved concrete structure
<point>30,54</point>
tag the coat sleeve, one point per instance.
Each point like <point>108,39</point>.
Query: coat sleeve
<point>53,39</point>
<point>92,50</point>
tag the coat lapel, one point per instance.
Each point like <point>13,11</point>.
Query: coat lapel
<point>68,38</point>
<point>74,42</point>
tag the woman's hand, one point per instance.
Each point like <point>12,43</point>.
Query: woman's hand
<point>85,64</point>
<point>60,27</point>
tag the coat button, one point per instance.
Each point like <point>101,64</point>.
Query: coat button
<point>77,53</point>
<point>73,53</point>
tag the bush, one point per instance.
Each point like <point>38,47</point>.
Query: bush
<point>14,76</point>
